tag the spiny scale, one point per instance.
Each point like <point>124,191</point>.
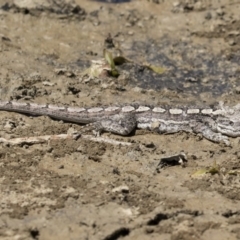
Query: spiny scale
<point>60,111</point>
<point>214,124</point>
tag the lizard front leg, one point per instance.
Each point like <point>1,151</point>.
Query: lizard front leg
<point>121,124</point>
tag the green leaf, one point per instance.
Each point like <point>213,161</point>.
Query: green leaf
<point>156,69</point>
<point>214,169</point>
<point>200,173</point>
<point>108,57</point>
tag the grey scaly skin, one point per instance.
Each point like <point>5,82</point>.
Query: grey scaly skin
<point>215,124</point>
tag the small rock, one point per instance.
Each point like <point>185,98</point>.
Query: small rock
<point>205,80</point>
<point>194,157</point>
<point>237,89</point>
<point>35,76</point>
<point>198,6</point>
<point>60,71</point>
<point>149,145</point>
<point>140,25</point>
<point>176,4</point>
<point>9,125</point>
<point>49,149</point>
<point>5,38</point>
<point>155,1</point>
<point>231,42</point>
<point>121,189</point>
<point>233,33</point>
<point>220,12</point>
<point>238,155</point>
<point>64,71</point>
<point>208,16</point>
<point>46,83</point>
<point>120,88</point>
<point>74,90</point>
<point>104,85</point>
<point>70,74</point>
<point>72,131</point>
<point>116,171</point>
<point>139,90</point>
<point>191,79</point>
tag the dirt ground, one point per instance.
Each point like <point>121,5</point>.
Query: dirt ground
<point>81,189</point>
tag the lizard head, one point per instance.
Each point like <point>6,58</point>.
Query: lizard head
<point>229,126</point>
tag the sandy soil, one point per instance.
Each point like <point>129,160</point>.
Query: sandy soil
<point>81,189</point>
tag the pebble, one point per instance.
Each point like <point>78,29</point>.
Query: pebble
<point>232,42</point>
<point>9,125</point>
<point>138,90</point>
<point>220,12</point>
<point>208,16</point>
<point>121,189</point>
<point>237,89</point>
<point>233,33</point>
<point>46,83</point>
<point>238,155</point>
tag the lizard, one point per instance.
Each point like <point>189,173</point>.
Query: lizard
<point>214,123</point>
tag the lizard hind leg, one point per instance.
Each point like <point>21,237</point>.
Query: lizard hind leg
<point>90,127</point>
<point>121,124</point>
